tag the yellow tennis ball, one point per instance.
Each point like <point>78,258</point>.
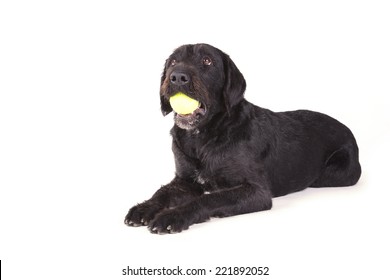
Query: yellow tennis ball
<point>183,104</point>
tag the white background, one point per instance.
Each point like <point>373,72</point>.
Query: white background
<point>82,137</point>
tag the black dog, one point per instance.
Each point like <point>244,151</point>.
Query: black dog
<point>231,156</point>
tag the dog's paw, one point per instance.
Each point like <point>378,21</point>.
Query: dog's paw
<point>169,221</point>
<point>141,214</point>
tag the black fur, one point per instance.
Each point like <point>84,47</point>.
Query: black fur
<point>231,156</point>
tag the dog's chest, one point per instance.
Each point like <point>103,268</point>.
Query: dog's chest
<point>217,166</point>
<point>210,161</point>
<point>212,175</point>
<point>199,178</point>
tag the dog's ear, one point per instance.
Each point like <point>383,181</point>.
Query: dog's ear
<point>165,106</point>
<point>234,86</point>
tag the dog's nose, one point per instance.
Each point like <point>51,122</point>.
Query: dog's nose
<point>179,78</point>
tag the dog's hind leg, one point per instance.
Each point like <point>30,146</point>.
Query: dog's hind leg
<point>342,168</point>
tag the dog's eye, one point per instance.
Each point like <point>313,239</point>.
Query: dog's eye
<point>207,61</point>
<point>173,62</point>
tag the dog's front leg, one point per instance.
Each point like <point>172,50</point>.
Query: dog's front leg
<point>177,192</point>
<point>241,199</point>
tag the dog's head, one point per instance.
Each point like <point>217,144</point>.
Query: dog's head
<point>203,73</point>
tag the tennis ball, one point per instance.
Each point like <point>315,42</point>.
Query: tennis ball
<point>183,104</point>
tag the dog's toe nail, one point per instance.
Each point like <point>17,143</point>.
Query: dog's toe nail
<point>133,224</point>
